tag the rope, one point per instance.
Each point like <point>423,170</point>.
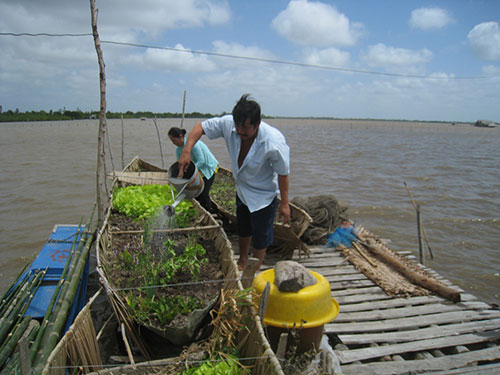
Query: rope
<point>327,214</point>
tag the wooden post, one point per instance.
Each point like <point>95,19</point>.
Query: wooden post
<point>419,229</point>
<point>101,169</point>
<point>159,141</point>
<point>123,144</point>
<point>183,107</point>
<point>423,229</point>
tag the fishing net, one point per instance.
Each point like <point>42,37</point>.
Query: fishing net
<point>327,214</point>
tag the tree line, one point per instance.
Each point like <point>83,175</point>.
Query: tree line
<point>17,116</point>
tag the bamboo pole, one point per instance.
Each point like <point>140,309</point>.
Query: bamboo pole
<point>413,276</point>
<point>123,145</point>
<point>7,295</point>
<point>419,233</point>
<point>423,229</point>
<point>364,255</point>
<point>183,107</point>
<point>101,169</point>
<point>10,345</point>
<point>127,346</point>
<point>159,141</point>
<point>53,299</point>
<point>53,334</point>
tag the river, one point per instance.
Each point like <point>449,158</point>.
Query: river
<point>47,177</point>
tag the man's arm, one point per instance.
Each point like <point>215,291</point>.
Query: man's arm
<point>193,137</point>
<point>284,211</point>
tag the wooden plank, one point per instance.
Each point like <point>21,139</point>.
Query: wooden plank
<point>420,334</point>
<point>350,284</point>
<point>337,278</point>
<point>342,270</point>
<point>352,291</point>
<point>348,356</point>
<point>402,312</point>
<point>412,322</point>
<point>361,298</point>
<point>491,369</point>
<point>457,361</point>
<point>396,302</point>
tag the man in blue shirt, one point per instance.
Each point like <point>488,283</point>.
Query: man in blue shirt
<point>260,161</point>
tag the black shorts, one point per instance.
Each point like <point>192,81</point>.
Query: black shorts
<point>258,224</point>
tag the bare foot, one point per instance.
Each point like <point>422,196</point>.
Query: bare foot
<point>242,262</point>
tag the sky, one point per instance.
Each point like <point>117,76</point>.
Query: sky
<point>432,60</point>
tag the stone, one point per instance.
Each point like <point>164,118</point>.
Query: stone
<point>291,276</point>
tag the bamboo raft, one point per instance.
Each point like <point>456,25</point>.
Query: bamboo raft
<point>378,334</point>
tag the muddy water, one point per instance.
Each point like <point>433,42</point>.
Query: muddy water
<point>47,177</point>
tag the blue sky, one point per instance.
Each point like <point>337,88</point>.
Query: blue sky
<point>360,59</point>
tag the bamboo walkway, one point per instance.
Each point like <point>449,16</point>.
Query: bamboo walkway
<point>378,334</point>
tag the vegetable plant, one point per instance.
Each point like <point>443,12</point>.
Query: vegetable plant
<point>144,201</point>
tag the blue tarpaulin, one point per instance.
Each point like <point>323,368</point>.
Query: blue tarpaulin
<point>343,235</point>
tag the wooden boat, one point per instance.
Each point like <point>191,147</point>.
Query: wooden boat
<point>253,344</point>
<point>53,286</point>
<point>53,256</point>
<point>286,236</point>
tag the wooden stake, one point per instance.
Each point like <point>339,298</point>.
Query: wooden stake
<point>423,229</point>
<point>123,145</point>
<point>159,141</point>
<point>419,229</point>
<point>127,346</point>
<point>183,107</point>
<point>101,169</point>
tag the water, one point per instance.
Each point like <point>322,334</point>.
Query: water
<point>47,177</point>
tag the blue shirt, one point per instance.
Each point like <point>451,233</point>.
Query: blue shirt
<point>257,179</point>
<point>202,157</point>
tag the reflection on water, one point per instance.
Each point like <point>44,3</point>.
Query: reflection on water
<point>48,177</point>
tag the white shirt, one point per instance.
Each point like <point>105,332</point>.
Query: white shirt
<point>269,155</point>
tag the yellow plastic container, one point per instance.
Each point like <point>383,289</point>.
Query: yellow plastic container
<point>312,306</point>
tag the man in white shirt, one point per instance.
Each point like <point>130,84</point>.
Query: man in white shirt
<point>260,161</point>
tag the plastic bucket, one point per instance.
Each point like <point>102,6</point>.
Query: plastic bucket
<point>188,187</point>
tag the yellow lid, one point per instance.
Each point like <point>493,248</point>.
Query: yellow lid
<point>311,306</point>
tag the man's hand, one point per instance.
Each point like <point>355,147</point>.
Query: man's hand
<point>284,212</point>
<point>193,137</point>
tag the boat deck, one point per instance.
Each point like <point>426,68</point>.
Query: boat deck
<point>375,333</point>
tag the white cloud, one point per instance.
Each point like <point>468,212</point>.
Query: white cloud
<point>328,57</point>
<point>384,56</point>
<point>152,17</point>
<point>429,18</point>
<point>485,41</point>
<point>237,49</point>
<point>491,69</point>
<point>316,24</point>
<point>168,60</point>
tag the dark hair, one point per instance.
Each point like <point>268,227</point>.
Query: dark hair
<point>176,132</point>
<point>246,108</point>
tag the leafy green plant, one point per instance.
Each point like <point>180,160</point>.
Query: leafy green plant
<point>143,202</point>
<point>151,270</point>
<point>228,365</point>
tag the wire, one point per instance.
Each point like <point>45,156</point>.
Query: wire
<point>259,59</point>
<point>45,34</point>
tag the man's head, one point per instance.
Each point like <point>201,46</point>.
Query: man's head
<point>246,116</point>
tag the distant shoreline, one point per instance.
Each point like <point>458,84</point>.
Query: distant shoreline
<point>64,115</point>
